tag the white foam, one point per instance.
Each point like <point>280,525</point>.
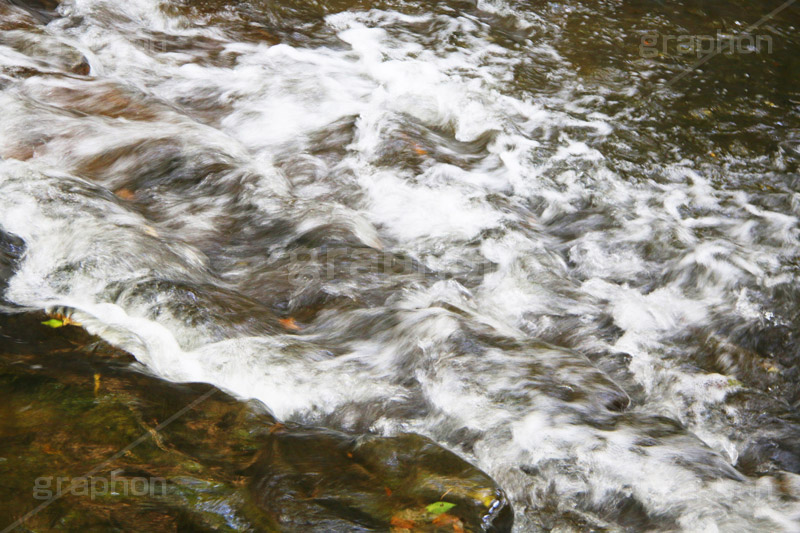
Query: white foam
<point>387,85</point>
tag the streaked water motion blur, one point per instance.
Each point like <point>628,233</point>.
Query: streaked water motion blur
<point>489,223</point>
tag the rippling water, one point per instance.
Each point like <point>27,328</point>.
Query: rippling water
<point>494,224</point>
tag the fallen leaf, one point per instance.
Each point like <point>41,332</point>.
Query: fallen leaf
<point>58,320</point>
<point>67,321</point>
<point>289,323</point>
<point>420,150</point>
<point>485,496</point>
<point>125,194</point>
<point>439,507</point>
<point>404,523</point>
<point>449,520</point>
<point>96,384</point>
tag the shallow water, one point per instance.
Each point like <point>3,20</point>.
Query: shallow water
<point>496,225</point>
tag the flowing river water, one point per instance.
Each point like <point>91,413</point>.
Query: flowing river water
<point>500,225</point>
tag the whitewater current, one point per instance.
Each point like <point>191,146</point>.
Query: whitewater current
<point>368,221</point>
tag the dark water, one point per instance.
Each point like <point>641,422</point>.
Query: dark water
<point>541,235</point>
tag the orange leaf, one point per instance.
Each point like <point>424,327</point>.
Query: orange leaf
<point>125,194</point>
<point>420,150</point>
<point>448,519</point>
<point>69,322</point>
<point>65,320</point>
<point>402,522</point>
<point>289,323</point>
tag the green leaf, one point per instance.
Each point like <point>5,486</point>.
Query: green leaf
<point>439,508</point>
<point>53,323</point>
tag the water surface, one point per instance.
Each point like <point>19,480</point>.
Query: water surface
<point>493,224</point>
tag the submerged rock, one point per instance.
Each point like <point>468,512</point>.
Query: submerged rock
<point>318,480</point>
<point>11,248</point>
<point>131,452</point>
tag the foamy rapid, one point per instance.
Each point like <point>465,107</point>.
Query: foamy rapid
<point>465,258</point>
